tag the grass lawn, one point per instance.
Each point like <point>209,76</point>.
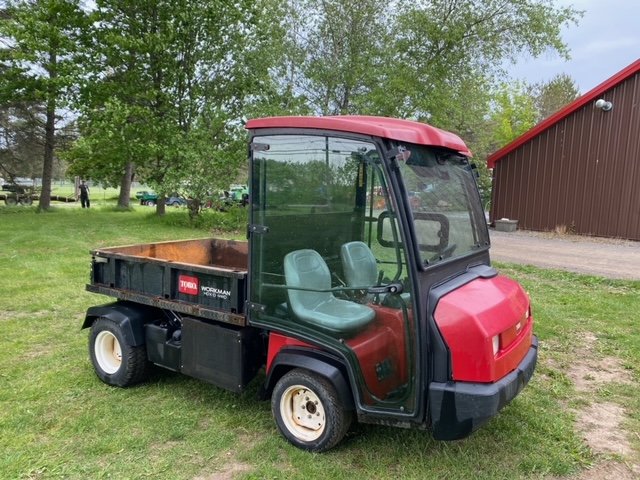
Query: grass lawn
<point>57,420</point>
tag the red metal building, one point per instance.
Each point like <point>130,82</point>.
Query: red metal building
<point>579,169</point>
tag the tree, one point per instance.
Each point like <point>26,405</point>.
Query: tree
<point>109,146</point>
<point>555,94</point>
<point>40,38</point>
<point>165,71</point>
<point>21,141</point>
<point>443,45</point>
<point>514,113</point>
<point>438,61</point>
<point>337,51</point>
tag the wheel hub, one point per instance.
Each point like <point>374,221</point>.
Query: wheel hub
<point>108,352</point>
<point>303,413</point>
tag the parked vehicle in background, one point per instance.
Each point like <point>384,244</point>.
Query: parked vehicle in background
<point>143,193</point>
<point>147,197</point>
<point>19,192</point>
<point>175,201</point>
<point>362,293</point>
<point>150,198</point>
<point>239,194</point>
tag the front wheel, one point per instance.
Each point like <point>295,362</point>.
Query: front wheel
<point>10,201</point>
<point>115,362</point>
<point>308,411</point>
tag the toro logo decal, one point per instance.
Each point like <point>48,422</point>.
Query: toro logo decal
<point>188,285</point>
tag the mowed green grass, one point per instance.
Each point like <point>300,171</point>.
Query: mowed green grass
<point>57,420</point>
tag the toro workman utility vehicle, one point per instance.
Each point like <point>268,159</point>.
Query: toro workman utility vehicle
<point>365,289</point>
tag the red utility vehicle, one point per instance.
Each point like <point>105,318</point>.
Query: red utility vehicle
<point>365,288</point>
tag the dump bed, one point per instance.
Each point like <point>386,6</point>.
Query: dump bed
<point>203,277</point>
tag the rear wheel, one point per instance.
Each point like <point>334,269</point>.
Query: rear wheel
<point>150,203</point>
<point>115,362</point>
<point>11,201</point>
<point>25,200</point>
<point>308,411</point>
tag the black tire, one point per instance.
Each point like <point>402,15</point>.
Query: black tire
<point>150,203</point>
<point>10,201</point>
<point>308,411</point>
<point>114,361</point>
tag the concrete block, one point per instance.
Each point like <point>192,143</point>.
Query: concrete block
<point>506,225</point>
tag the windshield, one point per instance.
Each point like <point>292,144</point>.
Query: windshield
<point>444,201</point>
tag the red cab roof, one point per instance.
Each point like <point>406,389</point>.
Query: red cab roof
<point>389,128</point>
<point>564,112</point>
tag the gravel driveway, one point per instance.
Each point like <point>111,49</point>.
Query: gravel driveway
<point>608,258</point>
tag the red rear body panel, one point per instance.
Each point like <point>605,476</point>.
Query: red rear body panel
<point>382,343</point>
<point>469,317</point>
<point>277,342</point>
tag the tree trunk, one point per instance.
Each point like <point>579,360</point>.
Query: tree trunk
<point>124,197</point>
<point>161,205</point>
<point>193,205</point>
<point>50,128</point>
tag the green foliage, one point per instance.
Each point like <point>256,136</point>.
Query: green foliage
<point>233,219</point>
<point>179,76</point>
<point>112,136</point>
<point>514,113</point>
<point>412,59</point>
<point>337,52</point>
<point>22,138</point>
<point>38,64</point>
<point>446,47</point>
<point>551,96</point>
<point>439,61</point>
<point>161,87</point>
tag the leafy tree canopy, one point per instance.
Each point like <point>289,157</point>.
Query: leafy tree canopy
<point>164,72</point>
<point>39,40</point>
<point>551,96</point>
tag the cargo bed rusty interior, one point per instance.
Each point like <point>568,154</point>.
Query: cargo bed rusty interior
<point>204,277</point>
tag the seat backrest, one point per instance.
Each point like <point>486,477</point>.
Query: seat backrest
<point>359,264</point>
<point>306,269</point>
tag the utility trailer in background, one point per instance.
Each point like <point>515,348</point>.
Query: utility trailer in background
<point>364,290</point>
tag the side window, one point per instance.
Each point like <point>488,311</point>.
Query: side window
<point>310,194</point>
<point>381,229</point>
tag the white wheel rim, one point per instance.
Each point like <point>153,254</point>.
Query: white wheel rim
<point>108,352</point>
<point>302,413</point>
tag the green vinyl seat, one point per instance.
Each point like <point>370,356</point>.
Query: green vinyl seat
<point>361,270</point>
<point>359,265</point>
<point>306,269</point>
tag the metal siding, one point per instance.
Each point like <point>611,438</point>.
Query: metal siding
<point>625,191</point>
<point>532,151</point>
<point>550,150</point>
<point>617,130</point>
<point>581,173</point>
<point>519,190</point>
<point>632,156</point>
